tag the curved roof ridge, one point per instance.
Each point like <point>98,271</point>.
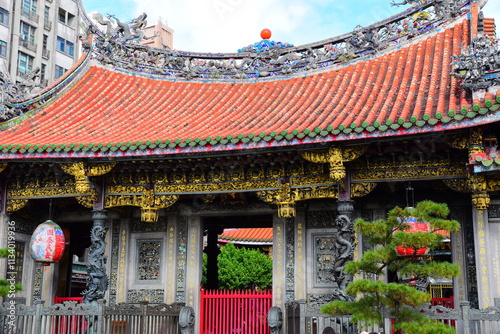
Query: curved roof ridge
<point>117,49</point>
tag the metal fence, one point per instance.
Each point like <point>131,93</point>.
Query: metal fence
<point>74,318</point>
<point>302,319</point>
<point>234,311</point>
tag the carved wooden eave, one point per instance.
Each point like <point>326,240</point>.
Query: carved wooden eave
<point>335,157</point>
<point>83,171</point>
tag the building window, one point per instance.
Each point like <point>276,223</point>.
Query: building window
<point>65,46</point>
<point>25,63</point>
<point>59,72</point>
<point>29,8</point>
<point>46,14</point>
<point>4,16</point>
<point>43,70</point>
<point>27,33</point>
<point>148,259</point>
<point>3,49</point>
<point>66,17</point>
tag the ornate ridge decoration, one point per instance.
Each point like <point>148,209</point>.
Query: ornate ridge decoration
<point>118,46</point>
<point>82,172</point>
<point>335,157</point>
<point>479,64</point>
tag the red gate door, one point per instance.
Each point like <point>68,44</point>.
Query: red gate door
<point>234,311</point>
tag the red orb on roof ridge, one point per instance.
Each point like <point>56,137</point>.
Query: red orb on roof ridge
<point>265,33</point>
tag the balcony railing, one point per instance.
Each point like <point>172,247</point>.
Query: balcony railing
<point>27,44</point>
<point>32,16</point>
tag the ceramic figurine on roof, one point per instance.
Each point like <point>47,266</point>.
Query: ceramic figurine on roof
<point>479,65</point>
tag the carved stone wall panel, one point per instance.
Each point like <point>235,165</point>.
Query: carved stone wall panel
<point>149,259</point>
<point>150,295</point>
<point>139,226</point>
<point>320,219</point>
<point>324,264</point>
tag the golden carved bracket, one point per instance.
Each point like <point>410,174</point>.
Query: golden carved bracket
<point>335,157</point>
<point>16,204</point>
<point>476,184</point>
<point>286,197</point>
<point>149,203</point>
<point>3,166</point>
<point>82,172</point>
<point>362,189</point>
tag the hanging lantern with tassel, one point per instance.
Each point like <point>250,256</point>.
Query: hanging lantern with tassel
<point>47,243</point>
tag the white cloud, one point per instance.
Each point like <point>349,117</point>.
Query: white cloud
<point>227,25</point>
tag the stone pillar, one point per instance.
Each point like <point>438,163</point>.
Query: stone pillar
<point>484,257</point>
<point>300,254</point>
<point>279,262</point>
<point>194,255</point>
<point>98,280</point>
<point>171,261</point>
<point>123,263</point>
<point>458,257</point>
<point>345,235</point>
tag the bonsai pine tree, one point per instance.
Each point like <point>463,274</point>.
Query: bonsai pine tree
<point>6,287</point>
<point>373,299</point>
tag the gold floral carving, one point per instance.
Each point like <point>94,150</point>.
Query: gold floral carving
<point>360,175</point>
<point>3,166</point>
<point>460,142</point>
<point>82,172</point>
<point>476,141</point>
<point>148,201</point>
<point>481,201</point>
<point>480,197</point>
<point>43,191</point>
<point>459,185</point>
<point>335,157</point>
<point>362,189</point>
<point>286,197</point>
<point>16,204</point>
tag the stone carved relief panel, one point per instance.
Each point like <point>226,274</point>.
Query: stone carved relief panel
<point>149,259</point>
<point>324,259</point>
<point>150,295</point>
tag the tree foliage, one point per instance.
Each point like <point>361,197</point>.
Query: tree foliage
<point>7,287</point>
<point>241,268</point>
<point>374,300</point>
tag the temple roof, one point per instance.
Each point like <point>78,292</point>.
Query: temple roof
<point>249,236</point>
<point>100,110</point>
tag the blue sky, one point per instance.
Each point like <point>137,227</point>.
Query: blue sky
<point>227,25</point>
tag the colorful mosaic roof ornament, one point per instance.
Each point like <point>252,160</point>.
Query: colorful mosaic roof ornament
<point>47,243</point>
<point>265,44</point>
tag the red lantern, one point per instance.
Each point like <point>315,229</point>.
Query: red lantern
<point>47,243</point>
<point>415,226</point>
<point>265,33</point>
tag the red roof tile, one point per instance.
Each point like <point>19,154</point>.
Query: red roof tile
<point>409,84</point>
<point>258,235</point>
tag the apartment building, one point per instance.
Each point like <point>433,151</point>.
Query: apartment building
<point>38,36</point>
